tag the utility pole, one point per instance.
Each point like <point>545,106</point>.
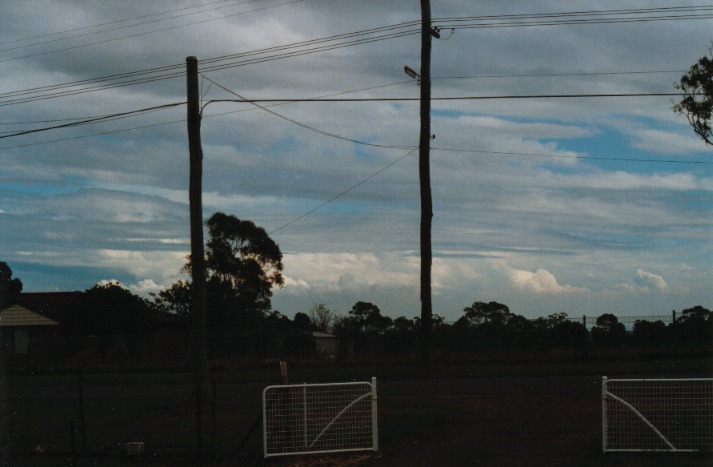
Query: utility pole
<point>198,273</point>
<point>424,177</point>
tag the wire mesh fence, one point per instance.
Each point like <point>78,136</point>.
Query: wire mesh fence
<point>657,414</point>
<point>319,418</point>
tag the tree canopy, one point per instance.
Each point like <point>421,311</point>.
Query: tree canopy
<point>9,288</point>
<point>242,264</point>
<point>697,102</point>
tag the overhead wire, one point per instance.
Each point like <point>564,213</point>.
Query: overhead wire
<point>118,21</point>
<point>298,123</point>
<point>572,156</point>
<point>177,70</point>
<point>38,54</point>
<point>297,49</point>
<point>565,18</point>
<point>92,120</point>
<point>353,187</point>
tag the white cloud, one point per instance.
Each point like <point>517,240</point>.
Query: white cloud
<point>666,142</point>
<point>540,282</point>
<point>116,205</point>
<point>334,272</point>
<point>650,280</point>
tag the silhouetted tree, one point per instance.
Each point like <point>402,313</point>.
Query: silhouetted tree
<point>175,299</point>
<point>697,102</point>
<point>243,257</point>
<point>9,288</point>
<point>492,313</point>
<point>608,330</point>
<point>322,318</point>
<point>367,319</point>
<point>694,327</point>
<point>558,331</point>
<point>302,321</point>
<point>242,264</point>
<point>648,334</point>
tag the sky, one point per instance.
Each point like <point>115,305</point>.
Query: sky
<point>581,205</point>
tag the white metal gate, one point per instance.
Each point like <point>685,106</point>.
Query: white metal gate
<point>319,418</point>
<point>657,414</point>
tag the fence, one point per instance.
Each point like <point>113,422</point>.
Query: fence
<point>657,414</point>
<point>319,418</point>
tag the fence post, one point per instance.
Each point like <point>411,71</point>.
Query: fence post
<point>304,414</point>
<point>81,408</point>
<point>374,423</point>
<point>673,316</point>
<point>584,321</point>
<point>604,414</point>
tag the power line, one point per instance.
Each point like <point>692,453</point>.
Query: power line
<point>334,198</point>
<point>94,120</point>
<point>575,17</point>
<point>300,124</point>
<point>557,74</point>
<point>453,98</point>
<point>176,70</point>
<point>182,121</point>
<point>144,33</point>
<point>569,156</point>
<point>119,21</point>
<point>344,100</point>
<point>281,52</point>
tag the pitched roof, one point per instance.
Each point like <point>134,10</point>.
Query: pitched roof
<point>54,305</point>
<point>17,315</point>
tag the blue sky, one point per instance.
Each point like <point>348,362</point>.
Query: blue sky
<point>576,205</point>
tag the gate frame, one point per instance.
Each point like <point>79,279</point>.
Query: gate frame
<point>606,395</point>
<point>373,409</point>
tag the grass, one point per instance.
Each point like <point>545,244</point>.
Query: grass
<point>167,423</point>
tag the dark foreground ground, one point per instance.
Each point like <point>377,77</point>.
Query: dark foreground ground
<point>519,421</point>
<point>498,422</point>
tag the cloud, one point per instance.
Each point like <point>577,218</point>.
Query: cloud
<point>109,200</point>
<point>667,142</point>
<point>540,282</point>
<point>650,280</point>
<point>335,272</point>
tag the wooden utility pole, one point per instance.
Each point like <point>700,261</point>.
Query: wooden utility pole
<point>424,176</point>
<point>198,273</point>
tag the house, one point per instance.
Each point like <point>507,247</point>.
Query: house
<point>24,331</point>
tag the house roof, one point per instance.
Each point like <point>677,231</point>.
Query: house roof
<point>323,335</point>
<point>54,305</point>
<point>17,315</point>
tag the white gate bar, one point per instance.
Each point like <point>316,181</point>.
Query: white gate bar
<point>702,403</point>
<point>297,417</point>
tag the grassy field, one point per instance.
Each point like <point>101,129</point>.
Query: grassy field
<point>447,426</point>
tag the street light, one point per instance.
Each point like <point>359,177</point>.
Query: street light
<point>412,74</point>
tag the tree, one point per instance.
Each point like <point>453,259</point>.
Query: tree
<point>483,313</point>
<point>366,317</point>
<point>110,309</point>
<point>175,300</point>
<point>242,256</point>
<point>242,264</point>
<point>697,102</point>
<point>608,330</point>
<point>648,334</point>
<point>322,318</point>
<point>694,327</point>
<point>302,322</point>
<point>9,288</point>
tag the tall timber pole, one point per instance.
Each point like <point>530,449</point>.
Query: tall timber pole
<point>424,175</point>
<point>198,273</point>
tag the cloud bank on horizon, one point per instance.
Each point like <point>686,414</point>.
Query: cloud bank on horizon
<point>579,205</point>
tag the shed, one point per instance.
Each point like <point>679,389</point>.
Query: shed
<point>327,344</point>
